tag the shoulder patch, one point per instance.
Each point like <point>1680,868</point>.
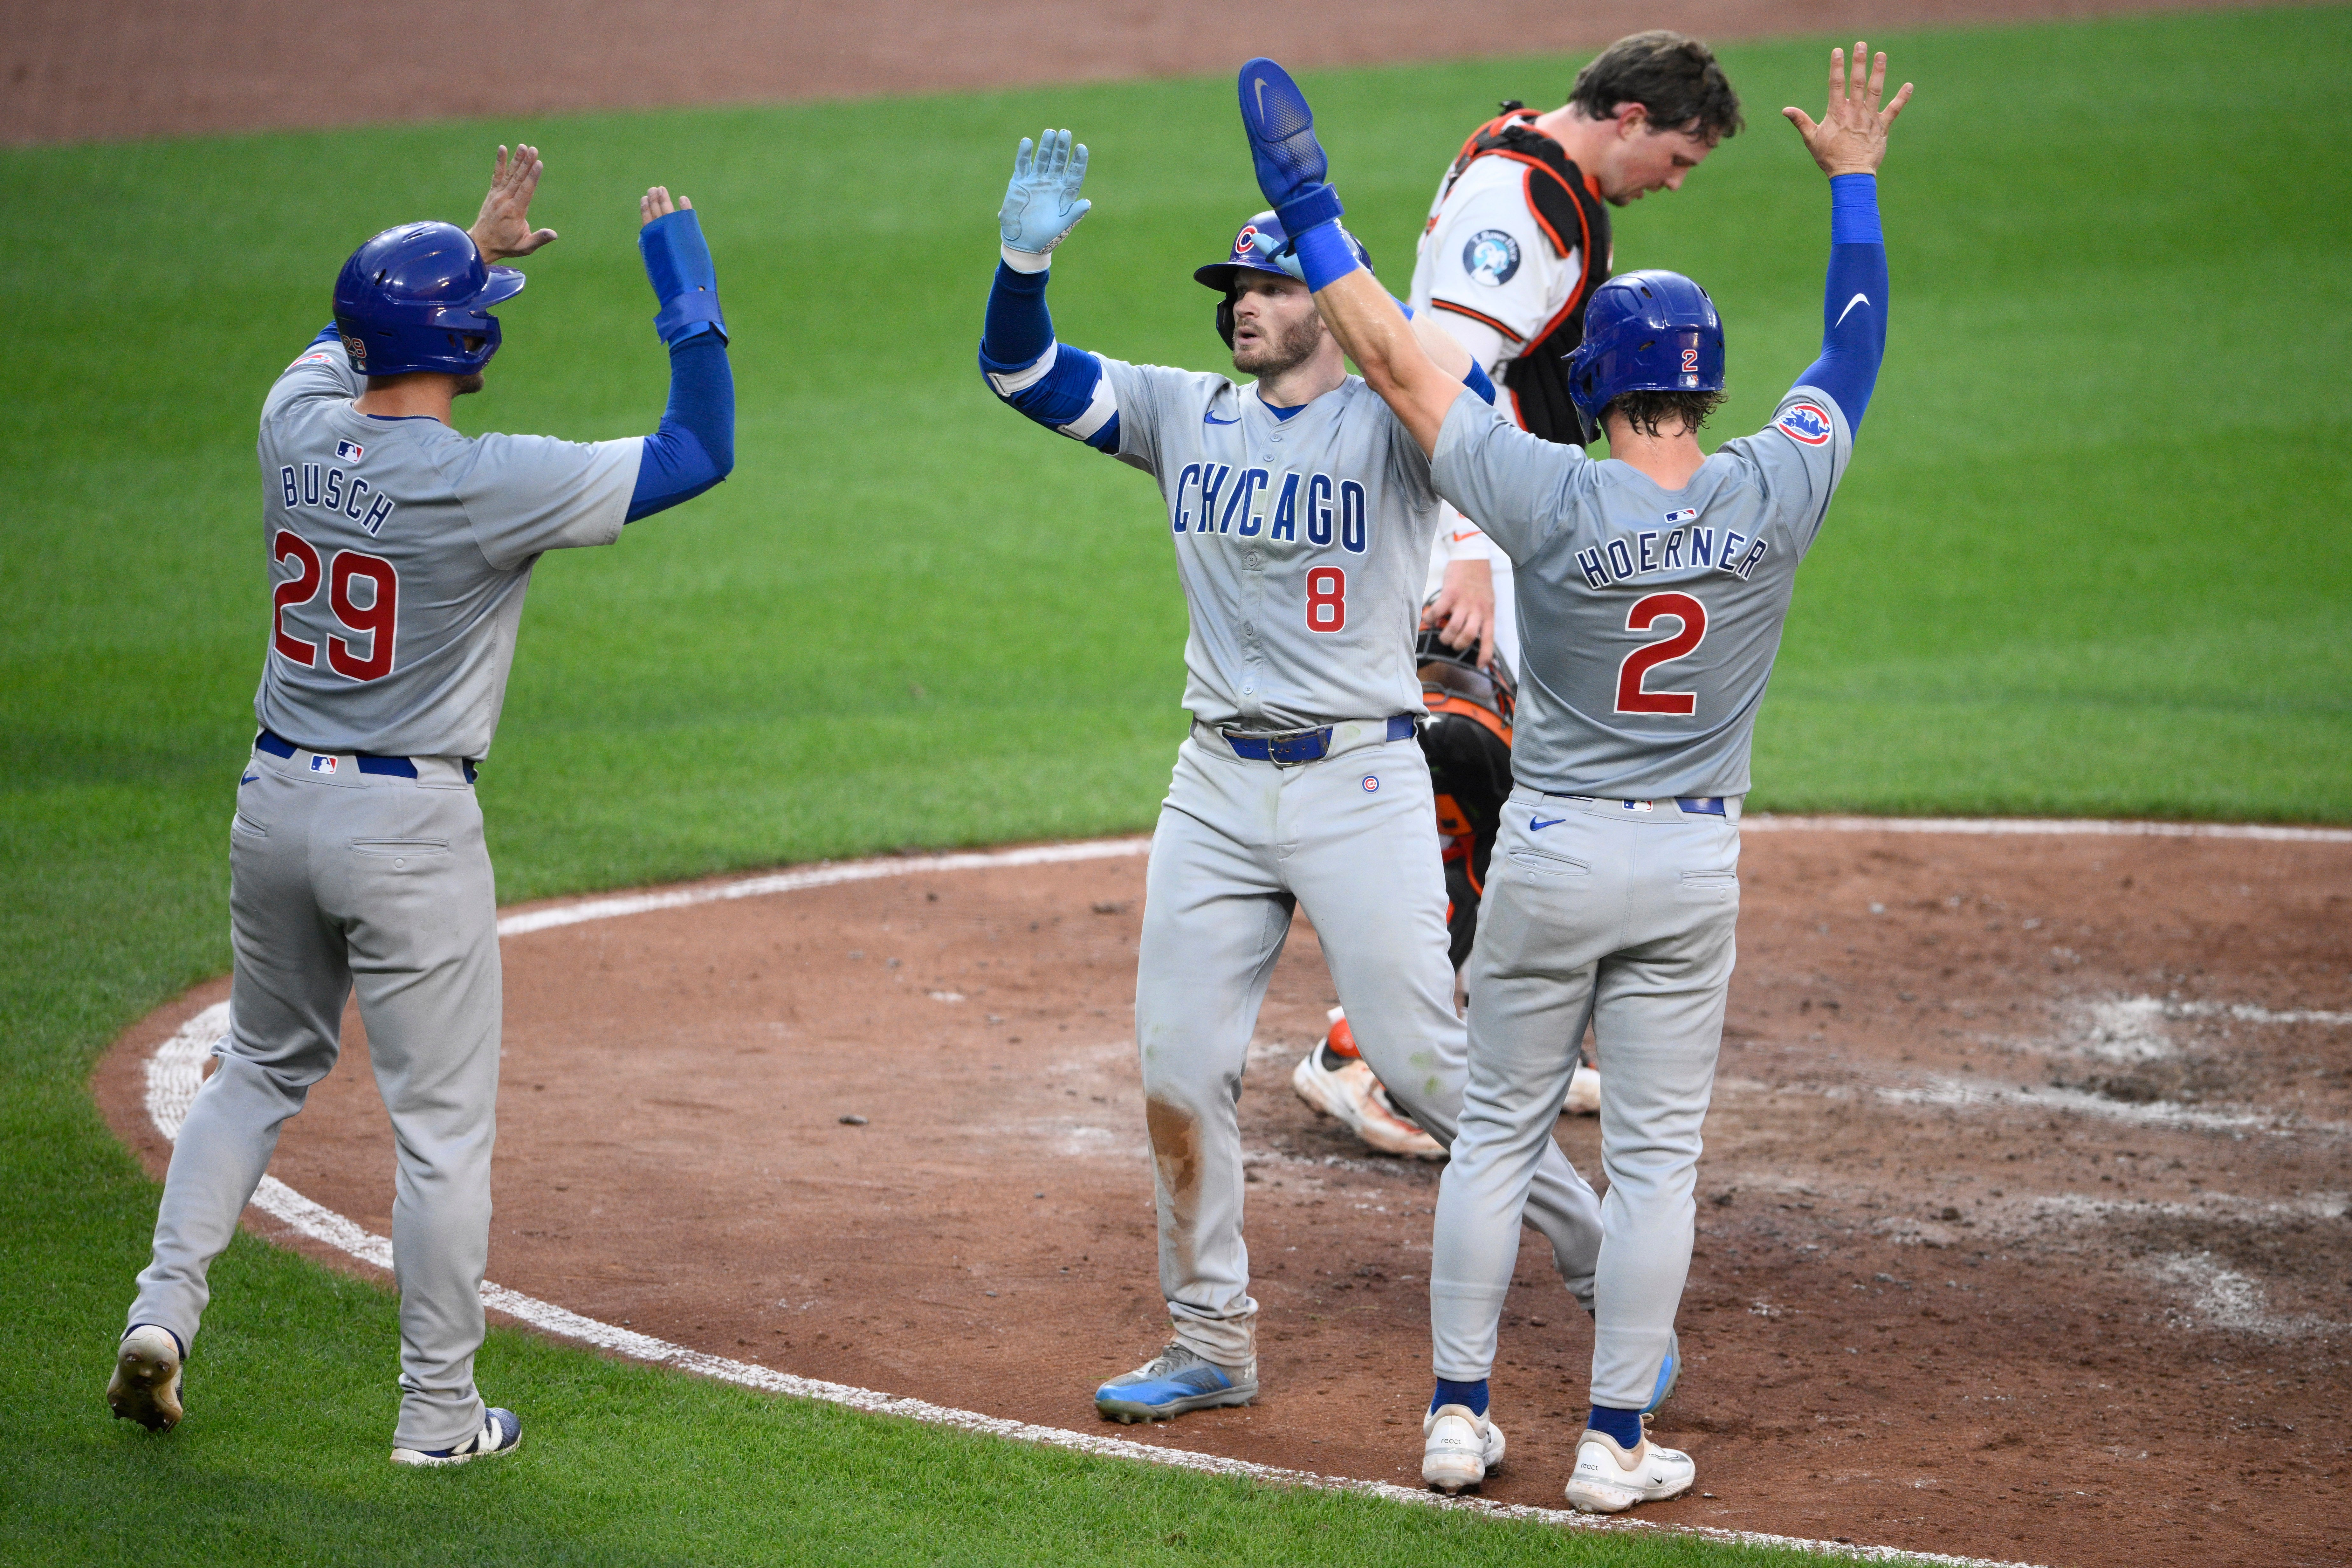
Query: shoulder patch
<point>314,359</point>
<point>1805,422</point>
<point>1491,257</point>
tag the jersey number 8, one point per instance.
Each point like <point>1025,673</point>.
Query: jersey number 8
<point>1327,599</point>
<point>376,619</point>
<point>1648,612</point>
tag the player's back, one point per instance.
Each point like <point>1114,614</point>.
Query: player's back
<point>399,550</point>
<point>1649,617</point>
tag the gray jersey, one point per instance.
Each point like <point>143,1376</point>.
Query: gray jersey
<point>1302,544</point>
<point>1648,617</point>
<point>399,550</point>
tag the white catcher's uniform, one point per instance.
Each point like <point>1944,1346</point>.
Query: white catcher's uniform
<point>1300,543</point>
<point>1486,271</point>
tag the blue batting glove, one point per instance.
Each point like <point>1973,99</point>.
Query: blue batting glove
<point>1290,162</point>
<point>1284,255</point>
<point>1042,204</point>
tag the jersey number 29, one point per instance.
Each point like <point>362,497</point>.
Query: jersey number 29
<point>1635,670</point>
<point>376,619</point>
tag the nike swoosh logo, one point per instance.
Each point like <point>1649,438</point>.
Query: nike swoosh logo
<point>1536,825</point>
<point>1850,304</point>
<point>248,778</point>
<point>1260,84</point>
<point>1212,419</point>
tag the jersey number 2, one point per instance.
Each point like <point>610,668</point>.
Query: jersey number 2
<point>1327,599</point>
<point>1630,698</point>
<point>376,619</point>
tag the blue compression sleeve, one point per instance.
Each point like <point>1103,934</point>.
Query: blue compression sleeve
<point>1479,382</point>
<point>695,448</point>
<point>1854,307</point>
<point>1059,386</point>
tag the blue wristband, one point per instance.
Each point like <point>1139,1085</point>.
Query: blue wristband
<point>1854,210</point>
<point>1325,255</point>
<point>685,282</point>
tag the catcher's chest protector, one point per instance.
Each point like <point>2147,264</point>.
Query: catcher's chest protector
<point>1573,218</point>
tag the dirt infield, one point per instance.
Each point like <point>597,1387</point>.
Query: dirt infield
<point>118,68</point>
<point>2024,1222</point>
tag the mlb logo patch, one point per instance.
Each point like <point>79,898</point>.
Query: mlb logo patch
<point>349,451</point>
<point>322,764</point>
<point>1804,422</point>
<point>1686,515</point>
<point>1641,806</point>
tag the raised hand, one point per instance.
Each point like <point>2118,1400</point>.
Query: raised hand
<point>504,229</point>
<point>655,203</point>
<point>1042,204</point>
<point>1851,136</point>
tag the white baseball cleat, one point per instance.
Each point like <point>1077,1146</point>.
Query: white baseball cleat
<point>1460,1449</point>
<point>1584,1092</point>
<point>146,1387</point>
<point>1609,1479</point>
<point>1346,1087</point>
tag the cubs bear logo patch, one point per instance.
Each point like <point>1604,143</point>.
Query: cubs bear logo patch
<point>1806,422</point>
<point>1491,257</point>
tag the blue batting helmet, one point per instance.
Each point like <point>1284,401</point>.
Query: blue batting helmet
<point>1245,257</point>
<point>418,298</point>
<point>1644,331</point>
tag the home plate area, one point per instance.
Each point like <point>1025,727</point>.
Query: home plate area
<point>2024,1227</point>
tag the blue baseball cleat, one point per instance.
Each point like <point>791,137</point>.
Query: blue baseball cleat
<point>501,1433</point>
<point>1671,1369</point>
<point>1171,1383</point>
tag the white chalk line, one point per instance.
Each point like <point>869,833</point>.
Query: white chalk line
<point>834,873</point>
<point>176,1070</point>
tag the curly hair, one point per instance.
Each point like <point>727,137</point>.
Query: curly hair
<point>1649,412</point>
<point>1674,78</point>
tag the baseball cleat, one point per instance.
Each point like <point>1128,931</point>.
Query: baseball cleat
<point>1459,1449</point>
<point>1584,1092</point>
<point>146,1387</point>
<point>1346,1088</point>
<point>501,1433</point>
<point>1176,1380</point>
<point>1668,1370</point>
<point>1610,1479</point>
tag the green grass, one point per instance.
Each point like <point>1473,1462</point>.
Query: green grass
<point>2090,559</point>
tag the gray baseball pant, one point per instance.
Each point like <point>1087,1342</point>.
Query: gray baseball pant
<point>1622,918</point>
<point>1240,843</point>
<point>341,880</point>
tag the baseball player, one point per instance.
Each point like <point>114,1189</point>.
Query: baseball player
<point>1652,586</point>
<point>398,551</point>
<point>1300,514</point>
<point>1519,237</point>
<point>1517,241</point>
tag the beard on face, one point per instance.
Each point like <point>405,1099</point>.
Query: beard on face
<point>471,381</point>
<point>1276,351</point>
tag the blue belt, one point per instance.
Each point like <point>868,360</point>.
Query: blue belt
<point>396,767</point>
<point>1697,805</point>
<point>1302,745</point>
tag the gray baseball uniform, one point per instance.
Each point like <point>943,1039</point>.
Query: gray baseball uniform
<point>1301,543</point>
<point>1649,620</point>
<point>398,553</point>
